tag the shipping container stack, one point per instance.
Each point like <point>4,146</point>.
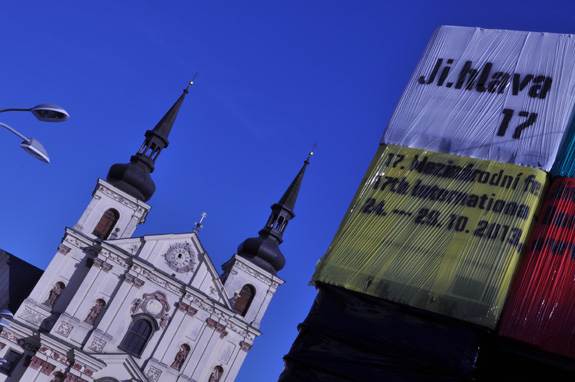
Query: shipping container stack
<point>417,278</point>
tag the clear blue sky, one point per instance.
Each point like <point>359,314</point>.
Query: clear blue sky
<point>275,77</point>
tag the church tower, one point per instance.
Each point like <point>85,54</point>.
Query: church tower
<point>112,307</point>
<point>250,276</point>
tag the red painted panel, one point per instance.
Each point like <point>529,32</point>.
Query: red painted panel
<point>540,308</point>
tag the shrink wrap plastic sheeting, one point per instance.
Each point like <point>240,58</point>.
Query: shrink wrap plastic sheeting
<point>540,309</point>
<point>499,95</point>
<point>435,231</point>
<point>375,340</point>
<point>565,162</point>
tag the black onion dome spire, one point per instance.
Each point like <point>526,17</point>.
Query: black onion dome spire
<point>264,251</point>
<point>134,177</point>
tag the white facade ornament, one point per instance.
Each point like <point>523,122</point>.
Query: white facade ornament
<point>64,329</point>
<point>153,374</point>
<point>154,304</point>
<point>97,345</point>
<point>32,316</point>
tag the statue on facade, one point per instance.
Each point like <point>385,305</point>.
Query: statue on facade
<point>95,312</point>
<point>216,374</point>
<point>180,357</point>
<point>58,377</point>
<point>54,294</point>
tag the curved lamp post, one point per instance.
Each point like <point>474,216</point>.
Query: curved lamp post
<point>45,112</point>
<point>4,313</point>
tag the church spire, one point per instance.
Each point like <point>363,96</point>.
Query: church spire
<point>134,177</point>
<point>264,250</point>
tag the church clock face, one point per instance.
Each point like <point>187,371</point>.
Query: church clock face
<point>181,257</point>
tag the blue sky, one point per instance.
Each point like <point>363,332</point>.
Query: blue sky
<point>274,78</point>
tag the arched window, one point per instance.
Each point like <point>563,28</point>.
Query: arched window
<point>245,299</point>
<point>106,223</point>
<point>137,337</point>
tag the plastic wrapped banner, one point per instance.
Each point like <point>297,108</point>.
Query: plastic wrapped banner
<point>436,231</point>
<point>565,162</point>
<point>505,96</point>
<point>349,336</point>
<point>541,306</point>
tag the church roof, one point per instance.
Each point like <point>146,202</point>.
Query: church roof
<point>289,198</point>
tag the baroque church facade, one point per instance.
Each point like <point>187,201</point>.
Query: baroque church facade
<point>114,308</point>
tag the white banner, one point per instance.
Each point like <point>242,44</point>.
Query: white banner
<point>500,95</point>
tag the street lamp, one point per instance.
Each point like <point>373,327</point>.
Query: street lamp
<point>31,145</point>
<point>45,112</point>
<point>4,313</point>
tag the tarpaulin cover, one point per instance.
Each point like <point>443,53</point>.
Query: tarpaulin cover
<point>350,336</point>
<point>436,231</point>
<point>540,309</point>
<point>565,162</point>
<point>499,95</point>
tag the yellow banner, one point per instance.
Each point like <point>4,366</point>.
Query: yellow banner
<point>436,231</point>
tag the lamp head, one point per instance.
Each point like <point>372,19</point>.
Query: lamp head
<point>6,313</point>
<point>48,112</point>
<point>35,148</point>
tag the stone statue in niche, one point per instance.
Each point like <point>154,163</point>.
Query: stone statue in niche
<point>180,357</point>
<point>216,374</point>
<point>95,311</point>
<point>58,377</point>
<point>54,293</point>
<point>235,298</point>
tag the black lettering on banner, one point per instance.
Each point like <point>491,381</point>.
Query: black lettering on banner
<point>482,202</point>
<point>551,216</point>
<point>481,79</point>
<point>515,236</point>
<point>398,159</point>
<point>396,185</point>
<point>562,191</point>
<point>541,87</point>
<point>370,206</point>
<point>492,231</point>
<point>508,114</point>
<point>555,247</point>
<point>458,223</point>
<point>439,203</point>
<point>427,217</point>
<point>485,78</point>
<point>520,84</point>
